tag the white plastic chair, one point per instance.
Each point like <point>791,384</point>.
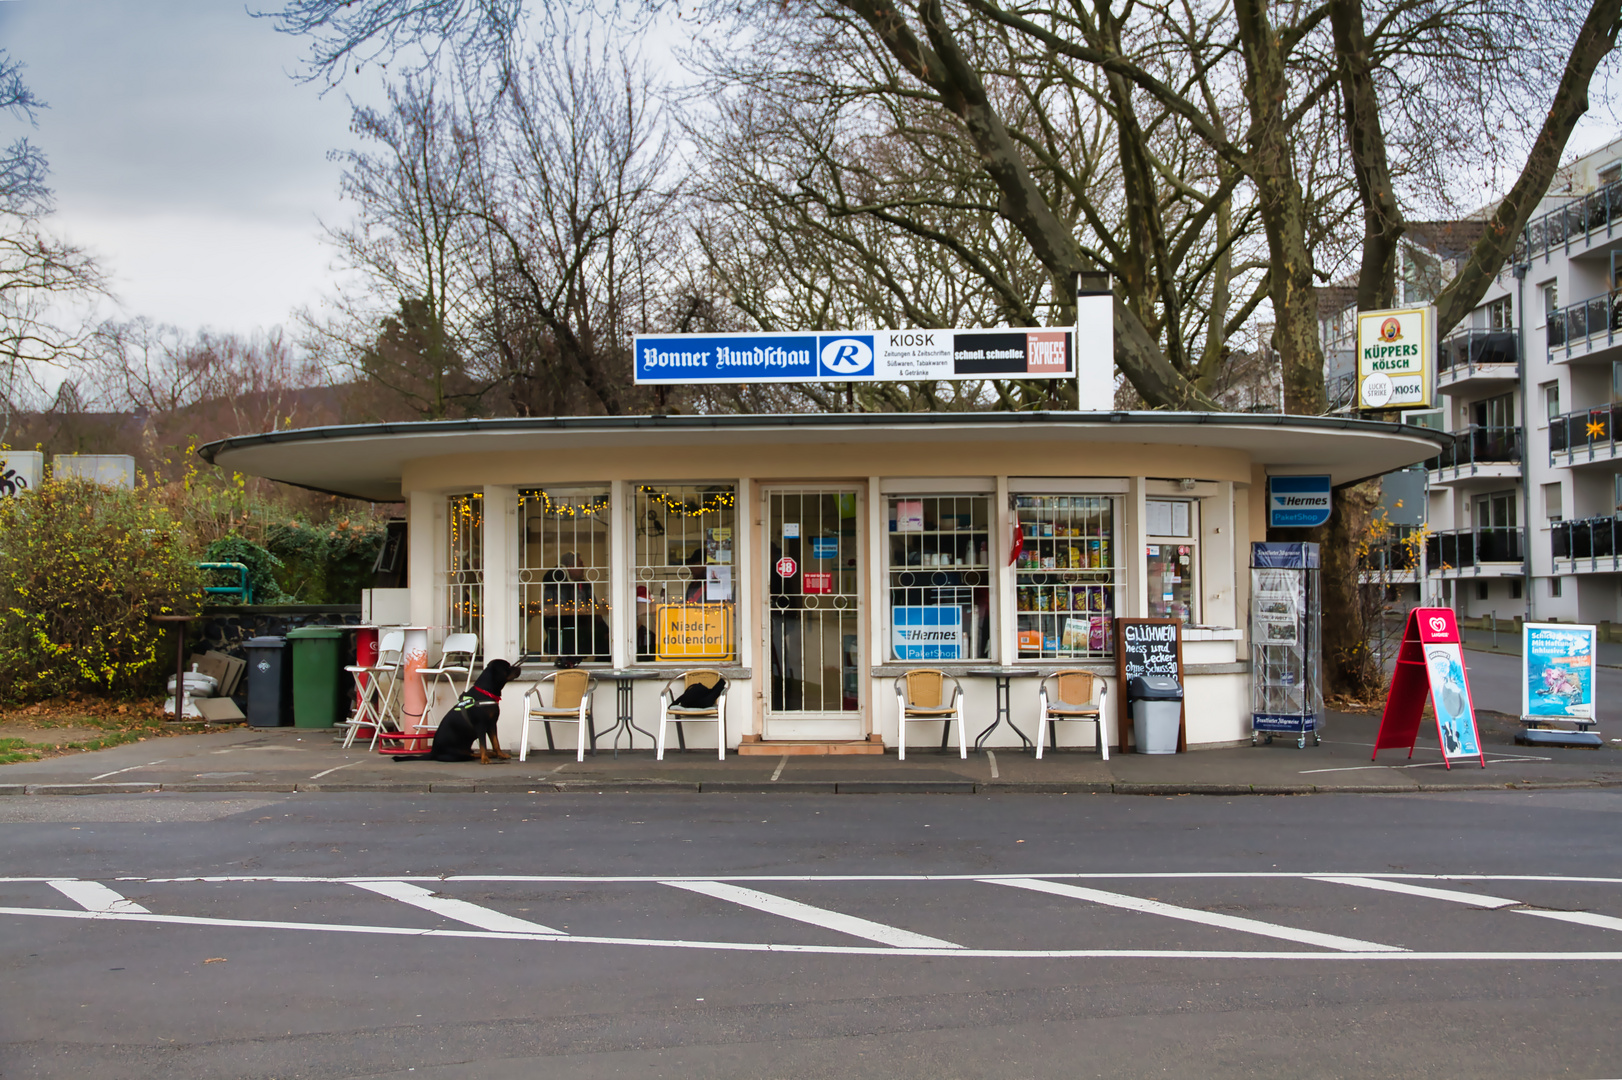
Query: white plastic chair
<point>670,712</point>
<point>1076,695</point>
<point>571,703</point>
<point>455,659</point>
<point>921,695</point>
<point>377,682</point>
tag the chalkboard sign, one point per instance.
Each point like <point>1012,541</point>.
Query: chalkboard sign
<point>1147,647</point>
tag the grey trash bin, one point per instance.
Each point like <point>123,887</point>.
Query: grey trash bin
<point>1157,710</point>
<point>270,682</point>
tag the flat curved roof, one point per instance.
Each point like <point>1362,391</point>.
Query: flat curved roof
<point>366,461</point>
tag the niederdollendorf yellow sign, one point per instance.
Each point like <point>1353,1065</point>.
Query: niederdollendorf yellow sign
<point>1396,358</point>
<point>693,631</point>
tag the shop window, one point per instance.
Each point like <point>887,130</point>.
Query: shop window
<point>464,568</point>
<point>564,581</point>
<point>1067,579</point>
<point>1171,560</point>
<point>940,577</point>
<point>685,537</point>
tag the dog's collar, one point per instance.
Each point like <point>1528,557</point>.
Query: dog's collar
<point>486,693</point>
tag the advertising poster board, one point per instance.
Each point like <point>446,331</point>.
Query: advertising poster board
<point>927,632</point>
<point>1430,664</point>
<point>1396,358</point>
<point>1147,647</point>
<point>1557,672</point>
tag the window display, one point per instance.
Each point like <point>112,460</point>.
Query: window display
<point>564,584</point>
<point>685,539</point>
<point>940,577</point>
<point>1066,579</point>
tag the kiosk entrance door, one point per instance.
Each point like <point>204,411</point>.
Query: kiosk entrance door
<point>815,555</point>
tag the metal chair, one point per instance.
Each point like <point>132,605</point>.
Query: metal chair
<point>461,647</point>
<point>571,703</point>
<point>670,712</point>
<point>920,694</point>
<point>376,683</point>
<point>1071,694</point>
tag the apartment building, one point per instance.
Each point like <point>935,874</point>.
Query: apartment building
<point>1524,509</point>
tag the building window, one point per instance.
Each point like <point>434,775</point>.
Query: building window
<point>1501,314</point>
<point>1616,493</point>
<point>564,581</point>
<point>464,567</point>
<point>1495,413</point>
<point>1481,590</point>
<point>1172,561</point>
<point>685,593</point>
<point>1553,509</point>
<point>940,577</point>
<point>1554,587</point>
<point>1067,577</point>
<point>1514,588</point>
<point>1551,298</point>
<point>1551,399</point>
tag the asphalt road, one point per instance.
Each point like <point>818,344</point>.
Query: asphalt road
<point>498,936</point>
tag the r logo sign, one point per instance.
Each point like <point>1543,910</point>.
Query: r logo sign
<point>847,356</point>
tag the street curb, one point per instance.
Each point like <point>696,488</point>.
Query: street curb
<point>628,787</point>
<point>92,789</point>
<point>388,786</point>
<point>13,789</point>
<point>246,786</point>
<point>1044,787</point>
<point>905,787</point>
<point>1183,789</point>
<point>767,787</point>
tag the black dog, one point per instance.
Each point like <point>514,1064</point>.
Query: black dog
<point>472,719</point>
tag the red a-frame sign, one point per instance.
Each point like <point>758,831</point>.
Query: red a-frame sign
<point>1430,664</point>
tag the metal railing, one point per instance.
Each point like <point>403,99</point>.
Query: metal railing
<point>1480,445</point>
<point>1464,352</point>
<point>1458,548</point>
<point>1584,429</point>
<point>1588,538</point>
<point>1595,317</point>
<point>1392,553</point>
<point>1576,219</point>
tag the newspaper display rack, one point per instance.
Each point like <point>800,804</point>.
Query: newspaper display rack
<point>1286,689</point>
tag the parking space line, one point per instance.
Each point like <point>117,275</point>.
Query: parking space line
<point>828,920</point>
<point>132,768</point>
<point>446,907</point>
<point>1380,884</point>
<point>1195,915</point>
<point>94,896</point>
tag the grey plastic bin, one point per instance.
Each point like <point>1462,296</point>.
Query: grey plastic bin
<point>270,682</point>
<point>1157,711</point>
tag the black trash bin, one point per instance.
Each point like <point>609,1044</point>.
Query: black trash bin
<point>1157,712</point>
<point>270,682</point>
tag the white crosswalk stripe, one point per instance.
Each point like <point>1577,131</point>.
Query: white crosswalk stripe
<point>94,896</point>
<point>447,907</point>
<point>831,920</point>
<point>1195,915</point>
<point>1403,887</point>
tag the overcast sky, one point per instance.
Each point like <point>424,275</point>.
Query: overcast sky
<point>183,154</point>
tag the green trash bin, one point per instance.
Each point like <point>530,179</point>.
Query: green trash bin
<point>316,675</point>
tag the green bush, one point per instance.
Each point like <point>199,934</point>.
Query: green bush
<point>82,567</point>
<point>325,564</point>
<point>262,571</point>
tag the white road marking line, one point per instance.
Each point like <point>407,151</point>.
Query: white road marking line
<point>993,759</point>
<point>335,768</point>
<point>132,768</point>
<point>1491,760</point>
<point>1581,918</point>
<point>615,879</point>
<point>825,950</point>
<point>95,897</point>
<point>460,910</point>
<point>781,765</point>
<point>1195,915</point>
<point>828,920</point>
<point>1473,899</point>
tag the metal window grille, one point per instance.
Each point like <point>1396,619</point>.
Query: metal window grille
<point>564,583</point>
<point>1067,580</point>
<point>940,577</point>
<point>685,537</point>
<point>464,570</point>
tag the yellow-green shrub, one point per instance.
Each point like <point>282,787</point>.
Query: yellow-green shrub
<point>82,567</point>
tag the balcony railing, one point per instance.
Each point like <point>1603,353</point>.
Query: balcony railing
<point>1578,218</point>
<point>1588,538</point>
<point>1466,547</point>
<point>1465,352</point>
<point>1480,445</point>
<point>1392,553</point>
<point>1585,429</point>
<point>1586,319</point>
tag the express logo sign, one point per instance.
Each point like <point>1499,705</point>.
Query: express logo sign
<point>850,356</point>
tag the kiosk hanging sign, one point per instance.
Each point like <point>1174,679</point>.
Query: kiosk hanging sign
<point>866,356</point>
<point>1396,358</point>
<point>1298,501</point>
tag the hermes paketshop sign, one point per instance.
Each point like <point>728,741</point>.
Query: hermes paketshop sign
<point>1396,358</point>
<point>865,356</point>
